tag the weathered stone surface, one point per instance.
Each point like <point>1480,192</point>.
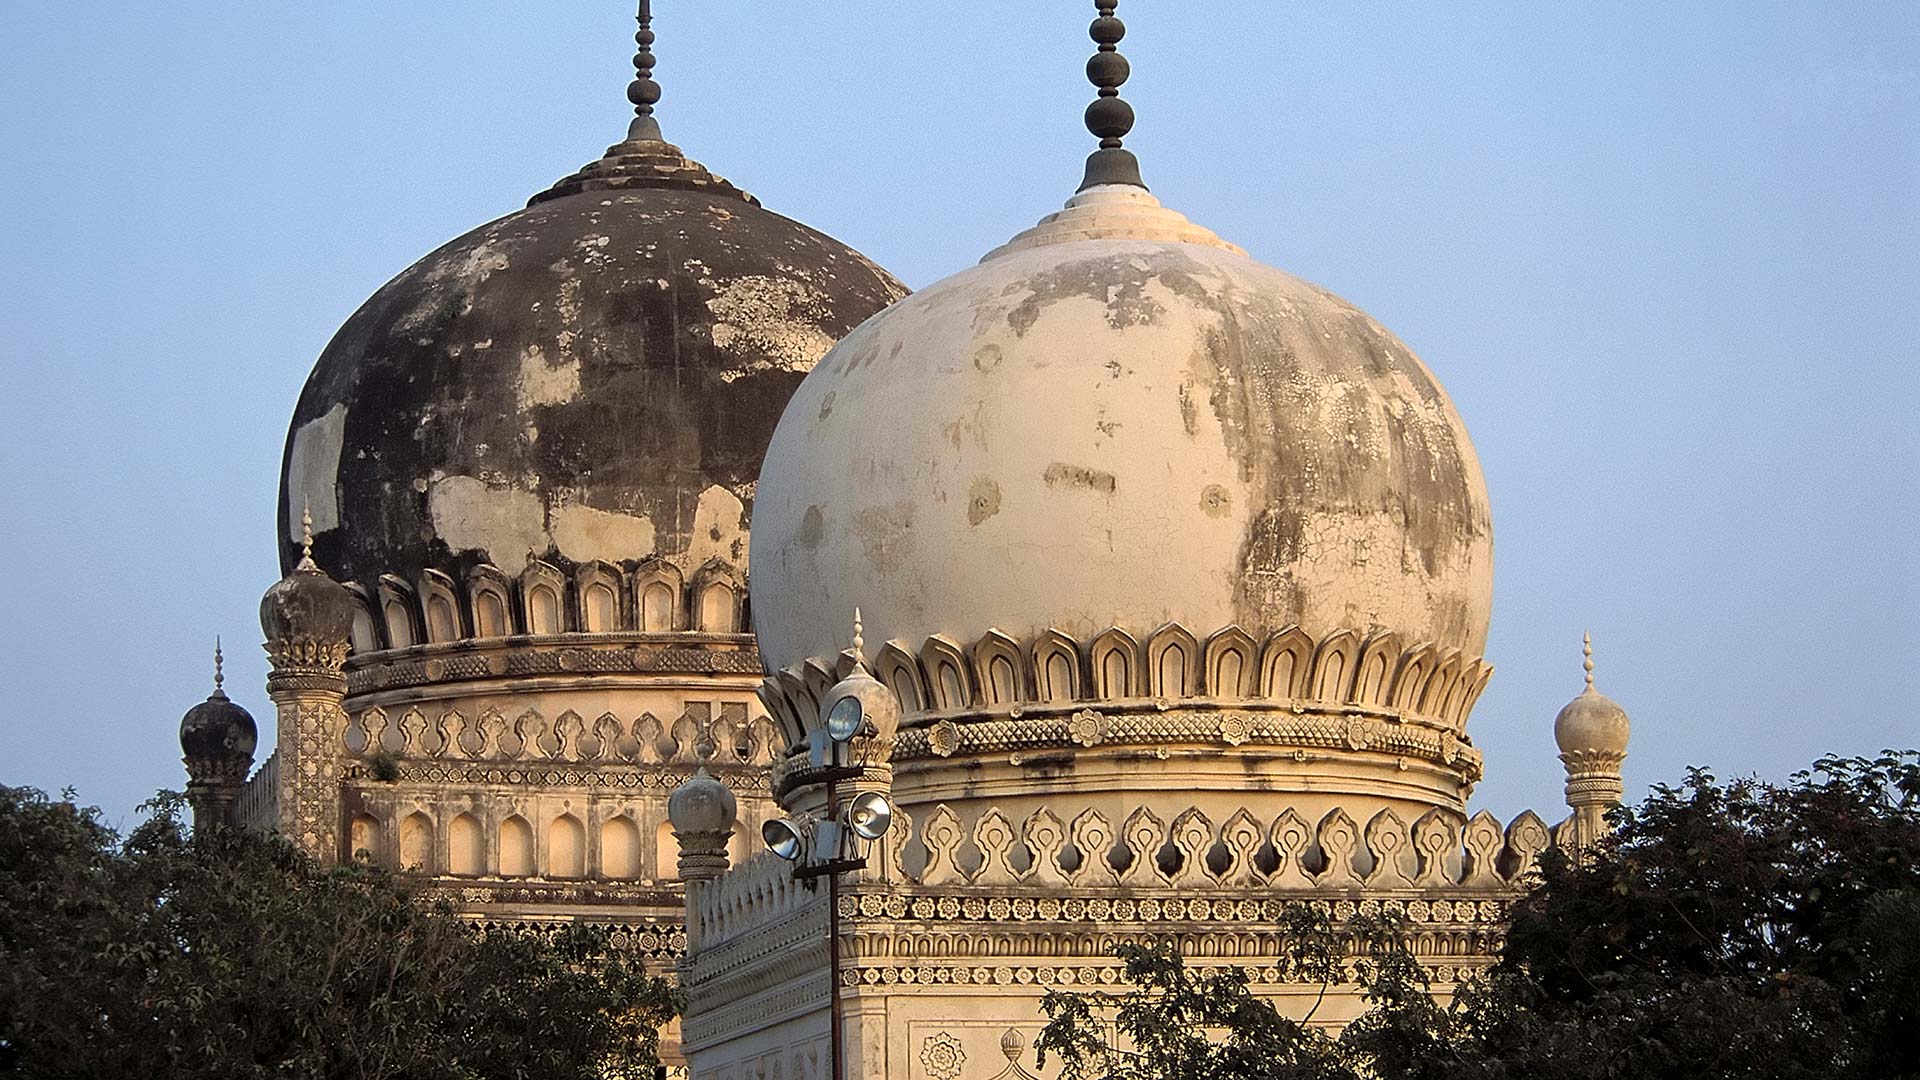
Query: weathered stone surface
<point>594,377</point>
<point>1119,420</point>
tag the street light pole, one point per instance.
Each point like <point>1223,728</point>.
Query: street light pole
<point>833,946</point>
<point>857,711</point>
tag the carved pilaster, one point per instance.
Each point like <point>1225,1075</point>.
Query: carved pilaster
<point>307,687</point>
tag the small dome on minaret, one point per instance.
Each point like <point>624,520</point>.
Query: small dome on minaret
<point>218,736</point>
<point>307,604</point>
<point>1592,732</point>
<point>1591,723</point>
<point>702,805</point>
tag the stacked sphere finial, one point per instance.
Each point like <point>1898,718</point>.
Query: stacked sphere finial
<point>643,91</point>
<point>1109,118</point>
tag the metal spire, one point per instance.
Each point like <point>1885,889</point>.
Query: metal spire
<point>643,91</point>
<point>219,677</point>
<point>1587,650</point>
<point>1109,118</point>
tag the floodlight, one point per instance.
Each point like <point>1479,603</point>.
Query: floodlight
<point>783,838</point>
<point>869,815</point>
<point>844,719</point>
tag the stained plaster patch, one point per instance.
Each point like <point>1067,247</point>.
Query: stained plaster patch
<point>313,470</point>
<point>504,523</point>
<point>546,382</point>
<point>719,529</point>
<point>584,534</point>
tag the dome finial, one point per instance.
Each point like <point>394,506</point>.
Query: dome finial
<point>643,91</point>
<point>1109,118</point>
<point>1586,649</point>
<point>307,565</point>
<point>219,676</point>
<point>859,642</point>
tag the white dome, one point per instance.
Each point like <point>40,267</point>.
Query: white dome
<point>1119,420</point>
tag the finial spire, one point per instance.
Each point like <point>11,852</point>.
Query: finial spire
<point>1586,649</point>
<point>1109,118</point>
<point>219,676</point>
<point>643,91</point>
<point>859,642</point>
<point>307,565</point>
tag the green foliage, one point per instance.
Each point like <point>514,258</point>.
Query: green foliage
<point>229,954</point>
<point>1723,931</point>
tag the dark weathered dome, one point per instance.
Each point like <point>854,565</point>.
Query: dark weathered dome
<point>593,377</point>
<point>216,730</point>
<point>217,735</point>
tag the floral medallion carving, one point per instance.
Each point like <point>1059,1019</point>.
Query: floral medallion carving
<point>1234,729</point>
<point>944,738</point>
<point>1087,728</point>
<point>942,1057</point>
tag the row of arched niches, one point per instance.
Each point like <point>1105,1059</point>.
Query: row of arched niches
<point>629,844</point>
<point>651,596</point>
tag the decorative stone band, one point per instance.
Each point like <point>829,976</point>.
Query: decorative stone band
<point>303,665</point>
<point>1342,690</point>
<point>658,938</point>
<point>1593,778</point>
<point>908,937</point>
<point>473,897</point>
<point>702,733</point>
<point>746,781</point>
<point>645,655</point>
<point>650,597</point>
<point>229,771</point>
<point>1284,854</point>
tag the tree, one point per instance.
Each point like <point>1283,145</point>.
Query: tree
<point>1727,930</point>
<point>230,954</point>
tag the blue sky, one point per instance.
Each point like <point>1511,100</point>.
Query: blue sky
<point>1666,258</point>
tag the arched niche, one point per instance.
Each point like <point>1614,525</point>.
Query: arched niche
<point>666,853</point>
<point>440,611</point>
<point>397,613</point>
<point>416,843</point>
<point>597,588</point>
<point>619,848</point>
<point>566,847</point>
<point>466,846</point>
<point>542,599</point>
<point>716,598</point>
<point>516,847</point>
<point>363,838</point>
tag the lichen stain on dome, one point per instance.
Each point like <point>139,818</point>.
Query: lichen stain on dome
<point>770,322</point>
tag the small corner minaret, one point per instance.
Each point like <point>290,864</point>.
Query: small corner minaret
<point>702,812</point>
<point>217,739</point>
<point>308,621</point>
<point>1109,118</point>
<point>1592,734</point>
